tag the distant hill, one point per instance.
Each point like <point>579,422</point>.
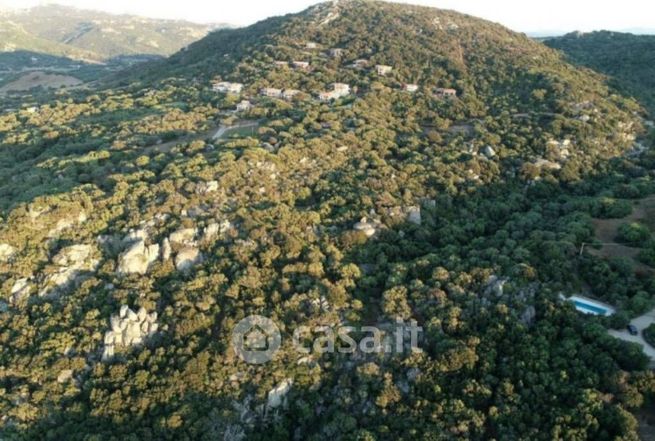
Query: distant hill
<point>92,35</point>
<point>629,60</point>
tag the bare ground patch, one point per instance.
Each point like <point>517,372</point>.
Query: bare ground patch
<point>607,230</point>
<point>35,79</point>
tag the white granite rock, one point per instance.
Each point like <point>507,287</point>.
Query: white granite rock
<point>183,236</point>
<point>6,252</point>
<point>277,394</point>
<point>187,258</point>
<point>138,258</point>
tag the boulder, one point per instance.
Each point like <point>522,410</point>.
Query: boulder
<point>66,223</point>
<point>211,231</point>
<point>528,316</point>
<point>488,151</point>
<point>128,328</point>
<point>187,258</point>
<point>365,227</point>
<point>277,394</point>
<point>183,236</point>
<point>74,255</point>
<point>138,258</point>
<point>7,252</point>
<point>414,215</point>
<point>166,250</point>
<point>207,187</point>
<point>65,376</point>
<point>19,291</point>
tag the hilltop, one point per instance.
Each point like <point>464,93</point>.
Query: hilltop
<point>357,164</point>
<point>626,59</point>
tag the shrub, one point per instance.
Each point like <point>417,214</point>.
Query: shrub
<point>634,234</point>
<point>649,334</point>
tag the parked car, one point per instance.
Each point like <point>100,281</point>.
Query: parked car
<point>632,329</point>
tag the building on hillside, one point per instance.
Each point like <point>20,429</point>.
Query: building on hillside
<point>360,64</point>
<point>411,88</point>
<point>271,92</point>
<point>227,87</point>
<point>440,92</point>
<point>383,69</point>
<point>244,106</point>
<point>288,94</point>
<point>302,65</point>
<point>311,45</point>
<point>339,90</point>
<point>336,52</point>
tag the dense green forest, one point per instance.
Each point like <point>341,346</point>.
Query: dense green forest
<point>477,208</point>
<point>628,60</point>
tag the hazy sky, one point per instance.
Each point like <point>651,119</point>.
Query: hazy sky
<point>525,16</point>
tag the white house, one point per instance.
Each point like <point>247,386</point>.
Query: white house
<point>411,88</point>
<point>338,90</point>
<point>383,69</point>
<point>271,92</point>
<point>303,65</point>
<point>227,87</point>
<point>336,52</point>
<point>244,106</point>
<point>288,94</point>
<point>360,64</point>
<point>445,93</point>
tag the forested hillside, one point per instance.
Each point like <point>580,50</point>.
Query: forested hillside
<point>629,60</point>
<point>413,163</point>
<point>92,35</point>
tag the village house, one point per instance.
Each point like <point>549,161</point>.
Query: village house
<point>271,92</point>
<point>382,69</point>
<point>303,65</point>
<point>227,87</point>
<point>360,64</point>
<point>411,88</point>
<point>288,94</point>
<point>244,106</point>
<point>336,52</point>
<point>338,90</point>
<point>445,93</point>
<point>311,45</point>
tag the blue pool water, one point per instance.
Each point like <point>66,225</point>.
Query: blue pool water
<point>590,309</point>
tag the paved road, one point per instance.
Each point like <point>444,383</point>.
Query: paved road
<point>640,323</point>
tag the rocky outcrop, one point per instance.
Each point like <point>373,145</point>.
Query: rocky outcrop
<point>207,187</point>
<point>7,252</point>
<point>128,328</point>
<point>138,258</point>
<point>495,286</point>
<point>183,236</point>
<point>187,258</point>
<point>166,250</point>
<point>278,393</point>
<point>19,291</point>
<point>66,223</point>
<point>70,263</point>
<point>488,151</point>
<point>367,227</point>
<point>414,215</point>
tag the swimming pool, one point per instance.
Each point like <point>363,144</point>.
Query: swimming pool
<point>588,306</point>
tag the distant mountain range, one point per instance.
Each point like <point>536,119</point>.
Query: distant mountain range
<point>93,36</point>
